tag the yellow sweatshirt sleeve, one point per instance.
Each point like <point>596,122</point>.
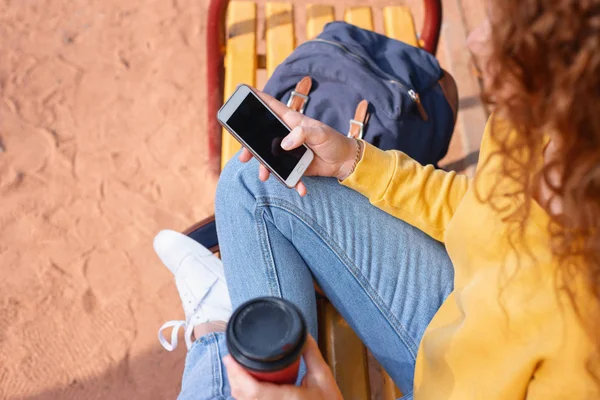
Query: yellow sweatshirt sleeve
<point>422,196</point>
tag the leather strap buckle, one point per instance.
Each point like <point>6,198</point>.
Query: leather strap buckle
<point>361,127</point>
<point>299,96</point>
<point>294,95</point>
<point>361,117</point>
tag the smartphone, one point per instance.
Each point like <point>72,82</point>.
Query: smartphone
<point>258,129</point>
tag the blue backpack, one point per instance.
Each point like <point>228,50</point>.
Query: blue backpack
<point>392,95</point>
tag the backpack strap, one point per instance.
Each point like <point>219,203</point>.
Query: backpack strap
<point>299,96</point>
<point>361,117</point>
<point>448,85</point>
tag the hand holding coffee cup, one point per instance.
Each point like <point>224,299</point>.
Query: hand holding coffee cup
<point>266,338</point>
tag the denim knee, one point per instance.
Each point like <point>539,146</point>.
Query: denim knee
<point>233,187</point>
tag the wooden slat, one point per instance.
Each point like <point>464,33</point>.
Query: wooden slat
<point>317,16</point>
<point>279,33</point>
<point>344,352</point>
<point>360,16</point>
<point>400,25</point>
<point>240,60</point>
<point>390,390</point>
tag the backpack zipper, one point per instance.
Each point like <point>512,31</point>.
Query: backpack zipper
<point>411,92</point>
<point>417,99</point>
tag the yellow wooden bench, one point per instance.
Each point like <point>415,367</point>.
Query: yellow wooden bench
<point>241,58</point>
<point>233,48</point>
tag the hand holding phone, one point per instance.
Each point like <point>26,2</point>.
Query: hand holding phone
<point>261,131</point>
<point>334,153</point>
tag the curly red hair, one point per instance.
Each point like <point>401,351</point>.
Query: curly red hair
<point>545,57</point>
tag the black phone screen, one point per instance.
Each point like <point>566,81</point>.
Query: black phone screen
<point>263,132</point>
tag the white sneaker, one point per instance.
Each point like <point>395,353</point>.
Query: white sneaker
<point>200,280</point>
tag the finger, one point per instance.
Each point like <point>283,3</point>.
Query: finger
<point>318,373</point>
<point>315,364</point>
<point>291,118</point>
<point>304,382</point>
<point>263,173</point>
<point>245,155</point>
<point>301,188</point>
<point>294,139</point>
<point>243,385</point>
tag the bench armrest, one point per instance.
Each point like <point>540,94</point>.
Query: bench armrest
<point>205,233</point>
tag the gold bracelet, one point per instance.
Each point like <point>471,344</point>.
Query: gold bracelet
<point>357,158</point>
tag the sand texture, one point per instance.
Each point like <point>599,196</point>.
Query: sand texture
<point>102,144</point>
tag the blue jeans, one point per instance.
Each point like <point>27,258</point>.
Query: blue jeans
<point>385,277</point>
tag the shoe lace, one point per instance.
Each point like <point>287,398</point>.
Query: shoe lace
<point>175,325</point>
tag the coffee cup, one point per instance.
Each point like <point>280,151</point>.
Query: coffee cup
<point>266,336</point>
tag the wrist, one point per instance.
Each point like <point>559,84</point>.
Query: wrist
<point>354,155</point>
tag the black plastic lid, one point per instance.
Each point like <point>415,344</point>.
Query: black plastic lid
<point>266,334</point>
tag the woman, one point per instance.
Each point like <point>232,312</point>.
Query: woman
<point>485,288</point>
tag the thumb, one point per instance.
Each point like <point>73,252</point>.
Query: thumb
<point>305,134</point>
<point>315,364</point>
<point>318,375</point>
<point>294,139</point>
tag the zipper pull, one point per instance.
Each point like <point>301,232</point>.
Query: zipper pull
<point>417,99</point>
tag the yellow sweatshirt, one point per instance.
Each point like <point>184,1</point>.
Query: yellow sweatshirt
<point>505,332</point>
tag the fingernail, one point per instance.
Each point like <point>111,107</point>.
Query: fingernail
<point>286,143</point>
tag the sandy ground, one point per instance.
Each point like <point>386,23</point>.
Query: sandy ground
<point>101,124</point>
